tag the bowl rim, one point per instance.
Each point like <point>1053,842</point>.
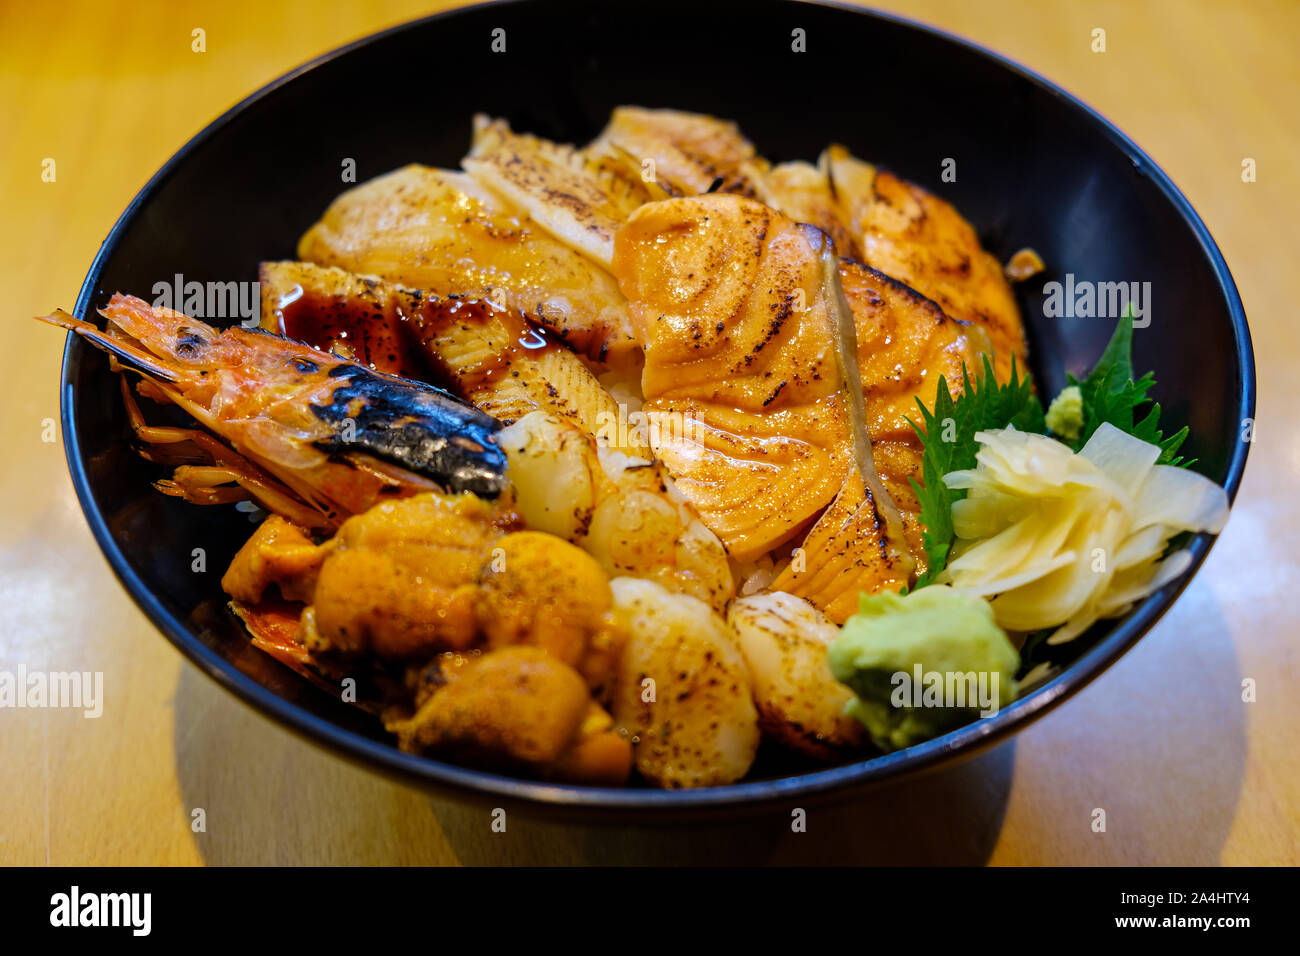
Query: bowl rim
<point>467,783</point>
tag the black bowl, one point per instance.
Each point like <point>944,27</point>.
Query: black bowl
<point>1035,167</point>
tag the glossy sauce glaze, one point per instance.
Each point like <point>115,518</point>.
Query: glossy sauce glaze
<point>366,329</point>
<point>399,332</point>
<point>470,341</point>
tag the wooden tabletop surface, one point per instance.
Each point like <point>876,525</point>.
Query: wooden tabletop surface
<point>1186,771</point>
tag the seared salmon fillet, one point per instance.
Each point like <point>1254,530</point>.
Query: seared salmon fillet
<point>845,553</point>
<point>901,230</point>
<point>918,239</point>
<point>873,216</point>
<point>442,232</point>
<point>684,152</point>
<point>804,193</point>
<point>574,198</point>
<point>740,363</point>
<point>904,342</point>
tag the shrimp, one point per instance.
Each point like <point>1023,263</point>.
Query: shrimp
<point>306,433</point>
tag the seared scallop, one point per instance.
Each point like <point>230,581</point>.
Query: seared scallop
<point>683,692</point>
<point>784,640</point>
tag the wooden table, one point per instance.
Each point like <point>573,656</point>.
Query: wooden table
<point>1186,771</point>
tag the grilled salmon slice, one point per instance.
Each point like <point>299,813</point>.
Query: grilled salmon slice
<point>741,363</point>
<point>919,239</point>
<point>576,199</point>
<point>442,232</point>
<point>845,552</point>
<point>686,153</point>
<point>905,342</point>
<point>901,230</point>
<point>804,193</point>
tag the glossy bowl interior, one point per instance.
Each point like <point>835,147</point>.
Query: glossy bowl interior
<point>1034,168</point>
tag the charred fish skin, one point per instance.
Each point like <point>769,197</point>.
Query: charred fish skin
<point>417,426</point>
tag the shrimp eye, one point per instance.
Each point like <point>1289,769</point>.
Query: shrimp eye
<point>305,365</point>
<point>188,342</point>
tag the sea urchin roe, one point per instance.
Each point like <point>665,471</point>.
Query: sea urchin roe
<point>1024,264</point>
<point>537,589</point>
<point>519,708</point>
<point>278,554</point>
<point>401,581</point>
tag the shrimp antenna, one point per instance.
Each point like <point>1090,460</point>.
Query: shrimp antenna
<point>135,357</point>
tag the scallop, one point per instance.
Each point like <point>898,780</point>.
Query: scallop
<point>784,640</point>
<point>683,692</point>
